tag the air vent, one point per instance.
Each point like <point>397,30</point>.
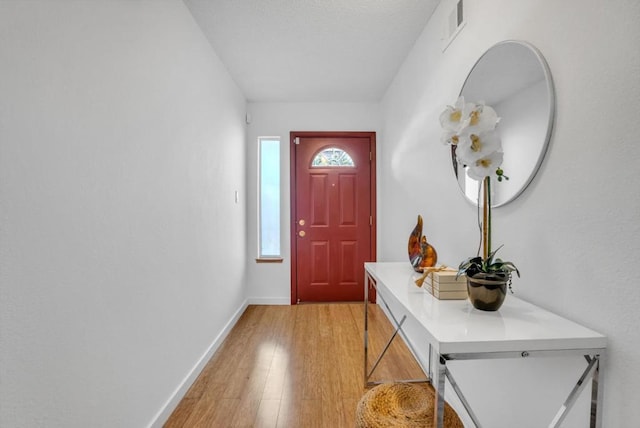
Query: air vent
<point>455,23</point>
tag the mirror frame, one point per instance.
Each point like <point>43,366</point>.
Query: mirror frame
<point>551,95</point>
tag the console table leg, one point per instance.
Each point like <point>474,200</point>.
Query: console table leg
<point>571,399</point>
<point>370,282</point>
<point>384,350</point>
<point>597,385</point>
<point>366,327</point>
<point>438,385</point>
<point>462,399</point>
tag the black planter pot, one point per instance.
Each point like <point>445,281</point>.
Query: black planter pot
<point>487,291</point>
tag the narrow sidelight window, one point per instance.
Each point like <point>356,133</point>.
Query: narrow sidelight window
<point>269,197</point>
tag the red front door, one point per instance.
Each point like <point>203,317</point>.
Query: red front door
<point>333,214</point>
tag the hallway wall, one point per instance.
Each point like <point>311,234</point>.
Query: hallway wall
<point>574,231</point>
<point>122,141</point>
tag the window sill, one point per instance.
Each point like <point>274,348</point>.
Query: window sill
<point>270,260</point>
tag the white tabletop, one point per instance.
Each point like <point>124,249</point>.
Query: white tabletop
<point>455,326</point>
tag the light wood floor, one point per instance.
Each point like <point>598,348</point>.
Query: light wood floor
<point>293,366</point>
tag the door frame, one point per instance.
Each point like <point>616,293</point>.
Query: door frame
<point>293,188</point>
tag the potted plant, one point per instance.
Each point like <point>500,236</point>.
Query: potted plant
<point>487,280</point>
<point>470,129</point>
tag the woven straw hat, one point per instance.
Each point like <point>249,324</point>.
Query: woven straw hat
<point>405,405</point>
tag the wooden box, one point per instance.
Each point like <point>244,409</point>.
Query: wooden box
<point>445,286</point>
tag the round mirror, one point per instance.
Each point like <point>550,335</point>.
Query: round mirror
<point>513,78</point>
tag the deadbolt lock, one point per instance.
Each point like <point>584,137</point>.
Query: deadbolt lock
<point>301,222</point>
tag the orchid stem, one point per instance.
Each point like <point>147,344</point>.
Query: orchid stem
<point>486,220</point>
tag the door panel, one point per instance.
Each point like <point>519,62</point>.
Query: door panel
<point>332,209</point>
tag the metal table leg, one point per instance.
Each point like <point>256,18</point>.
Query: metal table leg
<point>592,371</point>
<point>398,329</point>
<point>438,385</point>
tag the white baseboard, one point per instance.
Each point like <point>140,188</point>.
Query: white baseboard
<point>163,415</point>
<point>269,300</point>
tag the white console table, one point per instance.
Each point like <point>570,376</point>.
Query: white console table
<point>530,331</point>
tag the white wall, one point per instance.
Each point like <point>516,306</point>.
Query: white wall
<point>122,141</point>
<point>575,231</point>
<point>270,283</point>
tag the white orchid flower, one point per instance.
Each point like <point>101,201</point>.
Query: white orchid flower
<point>466,118</point>
<point>454,117</point>
<point>472,147</point>
<point>471,128</point>
<point>481,118</point>
<point>485,166</point>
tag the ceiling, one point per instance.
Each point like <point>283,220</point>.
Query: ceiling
<point>312,50</point>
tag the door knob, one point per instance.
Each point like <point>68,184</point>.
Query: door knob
<point>301,233</point>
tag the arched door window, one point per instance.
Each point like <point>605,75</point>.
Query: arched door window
<point>332,156</point>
